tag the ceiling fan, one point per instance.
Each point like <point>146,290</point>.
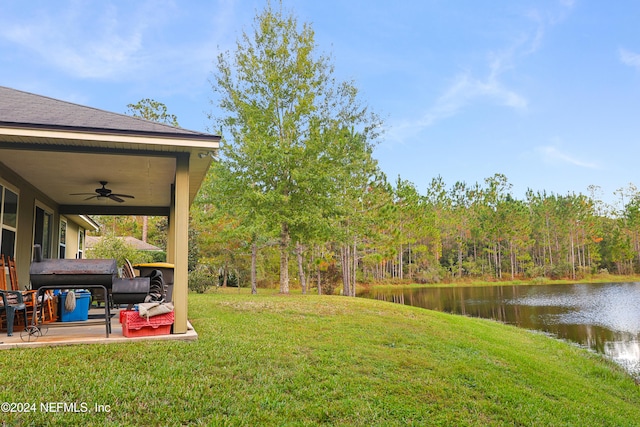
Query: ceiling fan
<point>104,192</point>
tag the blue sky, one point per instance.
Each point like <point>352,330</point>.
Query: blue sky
<point>546,92</point>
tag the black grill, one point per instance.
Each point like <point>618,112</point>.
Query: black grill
<point>75,273</point>
<point>72,272</point>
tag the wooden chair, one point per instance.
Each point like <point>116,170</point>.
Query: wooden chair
<point>30,296</point>
<point>7,264</point>
<point>3,274</point>
<point>13,273</point>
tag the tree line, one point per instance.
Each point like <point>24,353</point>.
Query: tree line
<point>394,233</point>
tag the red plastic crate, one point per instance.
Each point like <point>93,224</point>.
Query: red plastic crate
<point>146,331</point>
<point>135,326</point>
<point>123,314</point>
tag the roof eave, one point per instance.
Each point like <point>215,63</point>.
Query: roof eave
<point>61,134</point>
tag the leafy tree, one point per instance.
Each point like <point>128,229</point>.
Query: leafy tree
<point>459,216</point>
<point>154,111</point>
<point>284,113</point>
<point>517,235</point>
<point>227,230</point>
<point>354,176</point>
<point>112,247</point>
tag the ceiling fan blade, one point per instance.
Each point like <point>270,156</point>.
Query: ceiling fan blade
<point>104,192</point>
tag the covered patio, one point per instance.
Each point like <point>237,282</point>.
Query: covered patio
<point>53,152</point>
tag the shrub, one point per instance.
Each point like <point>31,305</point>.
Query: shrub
<point>560,270</point>
<point>233,280</point>
<point>330,275</point>
<point>540,280</point>
<point>201,279</point>
<point>112,247</point>
<point>429,275</point>
<point>158,256</point>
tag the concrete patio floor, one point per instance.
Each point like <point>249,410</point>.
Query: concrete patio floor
<point>90,333</point>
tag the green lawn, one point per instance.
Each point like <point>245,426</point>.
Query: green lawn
<point>310,360</point>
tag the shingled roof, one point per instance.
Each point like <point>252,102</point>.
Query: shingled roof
<point>92,241</point>
<point>27,110</point>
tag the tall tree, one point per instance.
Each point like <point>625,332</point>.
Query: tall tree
<point>283,111</point>
<point>229,226</point>
<point>154,111</point>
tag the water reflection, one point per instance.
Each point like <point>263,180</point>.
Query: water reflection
<point>602,317</point>
<point>625,353</point>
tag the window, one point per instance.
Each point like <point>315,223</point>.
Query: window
<point>8,221</point>
<point>42,230</point>
<point>81,243</point>
<point>63,238</point>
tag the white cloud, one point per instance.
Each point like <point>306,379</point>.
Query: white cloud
<point>629,58</point>
<point>551,154</point>
<point>78,42</point>
<point>467,89</point>
<point>135,41</point>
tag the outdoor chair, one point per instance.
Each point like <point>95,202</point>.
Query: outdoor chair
<point>30,296</point>
<point>11,302</point>
<point>13,273</point>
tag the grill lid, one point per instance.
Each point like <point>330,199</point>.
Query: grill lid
<point>49,272</point>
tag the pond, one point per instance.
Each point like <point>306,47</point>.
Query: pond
<point>603,317</point>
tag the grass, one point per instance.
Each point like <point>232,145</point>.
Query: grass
<point>308,360</point>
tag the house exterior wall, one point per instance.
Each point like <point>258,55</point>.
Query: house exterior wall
<point>72,249</point>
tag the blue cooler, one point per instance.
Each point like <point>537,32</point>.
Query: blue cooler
<point>81,312</point>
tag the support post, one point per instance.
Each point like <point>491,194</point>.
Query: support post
<point>180,250</point>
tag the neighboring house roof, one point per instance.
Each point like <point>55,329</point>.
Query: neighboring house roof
<point>138,244</point>
<point>84,221</point>
<point>23,109</point>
